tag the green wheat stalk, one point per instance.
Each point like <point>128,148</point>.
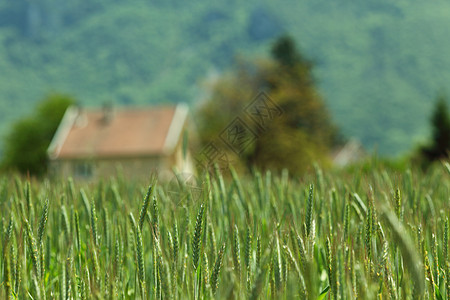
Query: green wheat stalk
<point>155,217</point>
<point>236,253</point>
<point>248,248</point>
<point>214,281</point>
<point>34,253</point>
<point>309,210</point>
<point>43,221</point>
<point>94,224</point>
<point>445,246</point>
<point>196,240</point>
<point>258,252</point>
<point>398,204</point>
<point>144,207</point>
<point>7,277</point>
<point>430,278</point>
<point>140,257</point>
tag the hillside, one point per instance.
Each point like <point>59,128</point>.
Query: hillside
<point>379,64</point>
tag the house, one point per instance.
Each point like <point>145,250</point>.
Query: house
<point>351,152</point>
<point>93,143</point>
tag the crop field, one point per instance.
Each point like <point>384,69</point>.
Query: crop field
<point>373,234</point>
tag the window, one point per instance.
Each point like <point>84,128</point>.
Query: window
<point>83,169</point>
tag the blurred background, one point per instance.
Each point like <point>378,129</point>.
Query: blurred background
<point>371,75</point>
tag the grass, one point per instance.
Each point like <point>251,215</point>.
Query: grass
<point>327,235</point>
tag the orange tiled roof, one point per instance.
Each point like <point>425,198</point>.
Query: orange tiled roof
<point>124,132</point>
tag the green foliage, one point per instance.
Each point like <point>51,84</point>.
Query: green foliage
<point>289,129</point>
<point>27,142</point>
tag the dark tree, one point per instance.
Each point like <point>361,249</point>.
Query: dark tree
<point>291,128</point>
<point>440,122</point>
<point>27,142</point>
<point>285,52</point>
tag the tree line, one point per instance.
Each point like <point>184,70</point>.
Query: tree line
<point>265,113</point>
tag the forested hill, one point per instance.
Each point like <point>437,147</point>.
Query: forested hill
<point>379,63</point>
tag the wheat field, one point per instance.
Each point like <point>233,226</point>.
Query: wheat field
<point>365,234</point>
